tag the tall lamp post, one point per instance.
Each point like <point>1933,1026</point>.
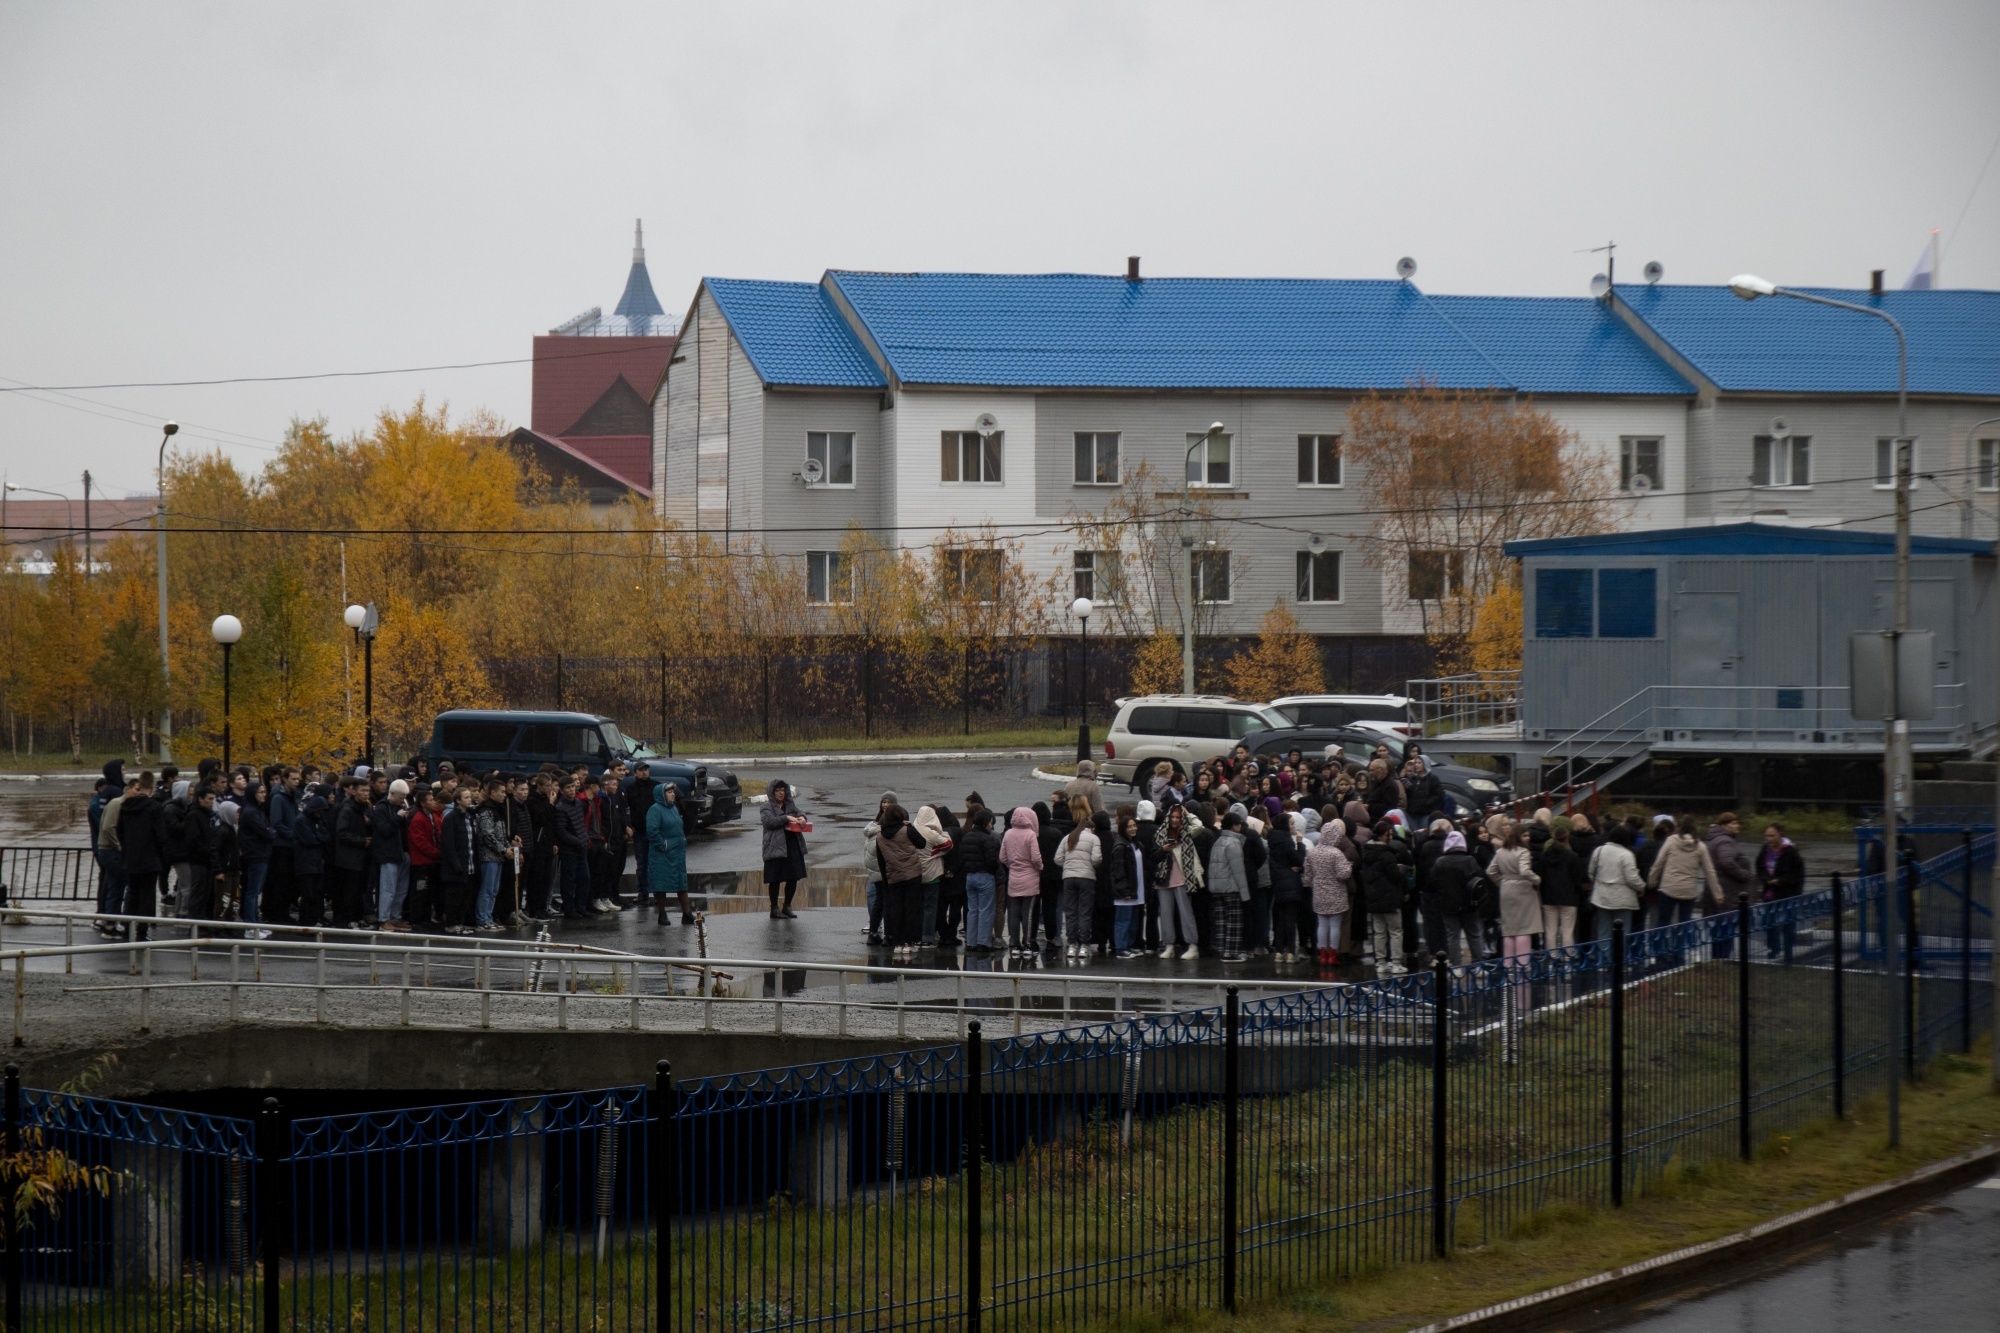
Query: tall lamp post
<point>227,630</point>
<point>364,621</point>
<point>1208,437</point>
<point>167,432</point>
<point>69,506</point>
<point>1895,731</point>
<point>1081,609</point>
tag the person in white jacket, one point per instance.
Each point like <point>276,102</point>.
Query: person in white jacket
<point>1615,884</point>
<point>1080,853</point>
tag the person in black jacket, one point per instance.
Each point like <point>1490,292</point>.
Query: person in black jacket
<point>951,887</point>
<point>1781,873</point>
<point>1384,881</point>
<point>254,837</point>
<point>1053,826</point>
<point>350,854</point>
<point>1454,892</point>
<point>542,847</point>
<point>1563,885</point>
<point>196,847</point>
<point>1287,858</point>
<point>1423,794</point>
<point>141,841</point>
<point>312,842</point>
<point>573,849</point>
<point>639,802</point>
<point>388,855</point>
<point>458,861</point>
<point>979,859</point>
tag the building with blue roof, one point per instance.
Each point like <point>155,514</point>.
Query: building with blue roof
<point>924,404</point>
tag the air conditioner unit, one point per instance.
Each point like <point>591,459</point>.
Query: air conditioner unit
<point>1780,428</point>
<point>1683,737</point>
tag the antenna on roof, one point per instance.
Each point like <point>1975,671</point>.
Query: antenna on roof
<point>1600,284</point>
<point>1406,268</point>
<point>638,240</point>
<point>1610,252</point>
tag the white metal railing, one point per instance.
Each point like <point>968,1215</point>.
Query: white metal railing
<point>1473,699</point>
<point>755,995</point>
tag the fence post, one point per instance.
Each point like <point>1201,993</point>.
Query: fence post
<point>1618,1064</point>
<point>1965,952</point>
<point>1232,1047</point>
<point>974,1286</point>
<point>558,703</point>
<point>867,689</point>
<point>9,1217</point>
<point>662,1161</point>
<point>1440,1059</point>
<point>1743,1025</point>
<point>1839,1000</point>
<point>967,691</point>
<point>270,1203</point>
<point>1909,954</point>
<point>766,668</point>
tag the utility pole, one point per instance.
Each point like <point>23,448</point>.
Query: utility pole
<point>167,432</point>
<point>86,523</point>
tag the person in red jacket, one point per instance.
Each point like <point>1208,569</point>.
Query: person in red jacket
<point>425,829</point>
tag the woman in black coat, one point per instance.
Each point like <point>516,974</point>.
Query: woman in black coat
<point>1288,890</point>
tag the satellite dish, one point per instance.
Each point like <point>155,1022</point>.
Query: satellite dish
<point>1599,285</point>
<point>1780,427</point>
<point>1654,271</point>
<point>813,473</point>
<point>1642,484</point>
<point>987,423</point>
<point>1406,268</point>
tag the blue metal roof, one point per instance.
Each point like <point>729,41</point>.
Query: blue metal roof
<point>1562,344</point>
<point>1059,330</point>
<point>1782,346</point>
<point>639,302</point>
<point>794,334</point>
<point>1738,539</point>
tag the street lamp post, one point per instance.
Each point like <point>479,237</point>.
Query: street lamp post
<point>227,630</point>
<point>167,432</point>
<point>68,506</point>
<point>1208,437</point>
<point>1895,731</point>
<point>364,620</point>
<point>1081,609</point>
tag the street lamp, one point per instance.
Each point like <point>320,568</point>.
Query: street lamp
<point>167,432</point>
<point>227,630</point>
<point>69,506</point>
<point>364,620</point>
<point>1895,732</point>
<point>1081,609</point>
<point>1208,437</point>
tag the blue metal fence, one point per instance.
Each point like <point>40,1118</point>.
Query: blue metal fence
<point>1127,1170</point>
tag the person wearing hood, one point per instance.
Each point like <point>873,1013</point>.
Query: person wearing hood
<point>110,888</point>
<point>1733,870</point>
<point>1179,873</point>
<point>899,857</point>
<point>1782,873</point>
<point>106,846</point>
<point>979,860</point>
<point>1079,854</point>
<point>1385,873</point>
<point>312,836</point>
<point>1328,877</point>
<point>1084,786</point>
<point>937,849</point>
<point>1147,813</point>
<point>666,851</point>
<point>1285,858</point>
<point>1453,892</point>
<point>1021,861</point>
<point>142,847</point>
<point>785,828</point>
<point>1683,873</point>
<point>1052,826</point>
<point>225,859</point>
<point>1229,885</point>
<point>253,836</point>
<point>1561,889</point>
<point>877,903</point>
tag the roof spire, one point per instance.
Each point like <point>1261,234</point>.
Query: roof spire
<point>639,304</point>
<point>638,240</point>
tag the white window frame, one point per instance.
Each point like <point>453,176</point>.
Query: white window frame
<point>1451,576</point>
<point>1885,453</point>
<point>829,564</point>
<point>995,456</point>
<point>1096,440</point>
<point>825,440</point>
<point>1103,570</point>
<point>1339,462</point>
<point>956,559</point>
<point>1986,464</point>
<point>1207,462</point>
<point>1628,462</point>
<point>1195,581</point>
<point>1793,445</point>
<point>1303,566</point>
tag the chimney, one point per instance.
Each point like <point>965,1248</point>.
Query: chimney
<point>1131,268</point>
<point>1875,282</point>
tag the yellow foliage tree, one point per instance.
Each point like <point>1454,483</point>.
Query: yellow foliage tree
<point>1282,661</point>
<point>69,640</point>
<point>1157,667</point>
<point>424,664</point>
<point>1496,630</point>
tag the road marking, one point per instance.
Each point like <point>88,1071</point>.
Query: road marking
<point>1990,1183</point>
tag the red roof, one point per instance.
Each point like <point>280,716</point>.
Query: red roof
<point>571,374</point>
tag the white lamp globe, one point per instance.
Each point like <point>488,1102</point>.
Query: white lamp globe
<point>226,629</point>
<point>1081,608</point>
<point>355,616</point>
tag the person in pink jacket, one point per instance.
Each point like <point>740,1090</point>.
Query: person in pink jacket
<point>1021,863</point>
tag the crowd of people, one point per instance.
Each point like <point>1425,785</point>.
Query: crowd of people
<point>1297,862</point>
<point>403,850</point>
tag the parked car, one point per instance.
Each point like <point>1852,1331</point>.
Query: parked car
<point>483,740</point>
<point>1389,712</point>
<point>1183,729</point>
<point>1471,789</point>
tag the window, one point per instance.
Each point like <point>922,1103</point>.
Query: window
<point>1639,467</point>
<point>1097,458</point>
<point>1319,460</point>
<point>829,577</point>
<point>1205,723</point>
<point>967,455</point>
<point>1885,463</point>
<point>1627,607</point>
<point>538,739</point>
<point>1436,575</point>
<point>581,742</point>
<point>476,737</point>
<point>1208,459</point>
<point>1563,603</point>
<point>1210,573</point>
<point>833,450</point>
<point>972,574</point>
<point>1781,460</point>
<point>1152,721</point>
<point>1989,465</point>
<point>1099,575</point>
<point>1319,576</point>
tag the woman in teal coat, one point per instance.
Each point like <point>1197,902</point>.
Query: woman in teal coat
<point>666,851</point>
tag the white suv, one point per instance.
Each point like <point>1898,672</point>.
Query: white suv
<point>1371,712</point>
<point>1183,729</point>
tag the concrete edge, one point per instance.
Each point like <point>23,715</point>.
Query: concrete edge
<point>887,757</point>
<point>1045,776</point>
<point>1727,1252</point>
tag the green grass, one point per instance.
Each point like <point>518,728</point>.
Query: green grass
<point>58,761</point>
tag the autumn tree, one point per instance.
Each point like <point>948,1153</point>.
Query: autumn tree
<point>1282,661</point>
<point>1156,669</point>
<point>1460,474</point>
<point>68,643</point>
<point>1494,645</point>
<point>424,664</point>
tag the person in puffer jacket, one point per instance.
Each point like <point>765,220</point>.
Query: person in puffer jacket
<point>1386,867</point>
<point>1021,862</point>
<point>1683,872</point>
<point>1329,877</point>
<point>979,860</point>
<point>899,855</point>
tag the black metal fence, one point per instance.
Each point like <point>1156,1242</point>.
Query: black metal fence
<point>1123,1170</point>
<point>47,874</point>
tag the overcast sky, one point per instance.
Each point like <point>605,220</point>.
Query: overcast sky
<point>199,191</point>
